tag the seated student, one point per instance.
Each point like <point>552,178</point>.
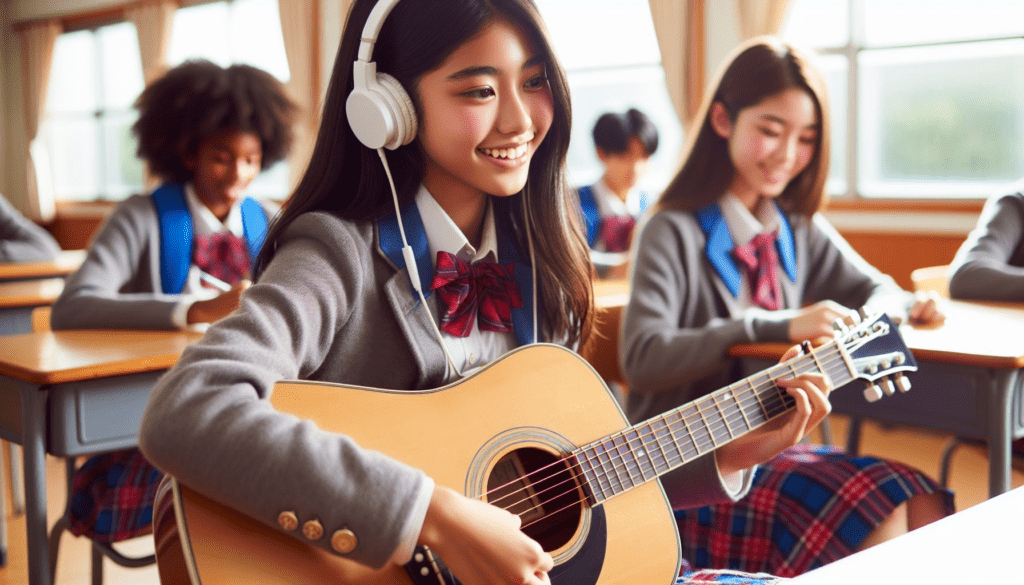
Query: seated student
<point>624,144</point>
<point>21,240</point>
<point>207,132</point>
<point>989,266</point>
<point>736,252</point>
<point>478,164</point>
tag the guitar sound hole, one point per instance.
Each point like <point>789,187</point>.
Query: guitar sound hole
<point>542,489</point>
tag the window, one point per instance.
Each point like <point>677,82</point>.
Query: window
<point>610,53</point>
<point>927,96</point>
<point>95,77</point>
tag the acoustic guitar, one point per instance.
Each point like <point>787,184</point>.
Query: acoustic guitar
<point>538,433</point>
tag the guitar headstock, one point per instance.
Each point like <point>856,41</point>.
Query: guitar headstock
<point>877,353</point>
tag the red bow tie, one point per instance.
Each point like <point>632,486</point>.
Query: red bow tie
<point>485,289</point>
<point>616,232</point>
<point>223,255</point>
<point>761,262</point>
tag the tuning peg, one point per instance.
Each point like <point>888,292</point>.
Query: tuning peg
<point>903,383</point>
<point>888,386</point>
<point>863,312</point>
<point>872,393</point>
<point>839,326</point>
<point>855,318</point>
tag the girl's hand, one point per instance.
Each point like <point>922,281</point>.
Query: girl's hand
<point>811,394</point>
<point>219,306</point>
<point>814,322</point>
<point>926,309</point>
<point>482,544</point>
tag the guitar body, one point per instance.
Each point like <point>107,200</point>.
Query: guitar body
<point>523,413</point>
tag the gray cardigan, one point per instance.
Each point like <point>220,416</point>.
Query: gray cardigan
<point>990,264</point>
<point>330,307</point>
<point>681,318</point>
<point>118,285</point>
<point>21,240</point>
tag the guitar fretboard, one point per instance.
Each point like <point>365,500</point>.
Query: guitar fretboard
<point>650,449</point>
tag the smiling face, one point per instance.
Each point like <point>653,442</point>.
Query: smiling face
<point>770,143</point>
<point>223,167</point>
<point>485,111</point>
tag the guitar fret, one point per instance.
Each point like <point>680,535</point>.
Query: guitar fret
<point>757,395</point>
<point>675,440</point>
<point>642,456</point>
<point>699,433</point>
<point>739,405</point>
<point>594,480</point>
<point>629,462</point>
<point>606,464</point>
<point>721,413</point>
<point>658,435</point>
<point>618,465</point>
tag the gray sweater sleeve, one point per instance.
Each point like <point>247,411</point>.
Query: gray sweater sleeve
<point>982,268</point>
<point>209,425</point>
<point>113,289</point>
<point>21,240</point>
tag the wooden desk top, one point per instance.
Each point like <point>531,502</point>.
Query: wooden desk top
<point>611,293</point>
<point>67,262</point>
<point>978,545</point>
<point>30,293</point>
<point>51,357</point>
<point>987,335</point>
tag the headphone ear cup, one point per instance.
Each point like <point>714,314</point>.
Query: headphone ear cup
<point>401,105</point>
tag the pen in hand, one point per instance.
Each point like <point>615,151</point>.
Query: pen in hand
<point>214,281</point>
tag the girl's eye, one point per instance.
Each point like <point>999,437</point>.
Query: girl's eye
<point>769,132</point>
<point>482,93</point>
<point>537,82</point>
<point>811,140</point>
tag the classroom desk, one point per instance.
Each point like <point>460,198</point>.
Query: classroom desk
<point>978,545</point>
<point>18,299</point>
<point>968,382</point>
<point>610,297</point>
<point>74,393</point>
<point>67,262</point>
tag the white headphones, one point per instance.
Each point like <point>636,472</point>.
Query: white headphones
<point>379,110</point>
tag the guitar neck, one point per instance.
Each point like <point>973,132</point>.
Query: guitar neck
<point>645,451</point>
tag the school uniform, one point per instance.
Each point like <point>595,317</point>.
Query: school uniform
<point>601,206</point>
<point>335,305</point>
<point>21,240</point>
<point>140,273</point>
<point>690,302</point>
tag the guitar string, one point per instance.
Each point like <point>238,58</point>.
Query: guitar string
<point>777,398</point>
<point>647,431</point>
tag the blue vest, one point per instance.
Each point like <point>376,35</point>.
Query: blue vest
<point>176,234</point>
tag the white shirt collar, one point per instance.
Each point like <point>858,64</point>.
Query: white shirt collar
<point>744,225</point>
<point>205,223</point>
<point>608,203</point>
<point>444,236</point>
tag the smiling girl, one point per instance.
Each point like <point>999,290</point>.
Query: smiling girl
<point>738,253</point>
<point>477,155</point>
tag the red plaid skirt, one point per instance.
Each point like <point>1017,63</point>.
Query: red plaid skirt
<point>112,497</point>
<point>809,506</point>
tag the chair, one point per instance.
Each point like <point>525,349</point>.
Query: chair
<point>41,322</point>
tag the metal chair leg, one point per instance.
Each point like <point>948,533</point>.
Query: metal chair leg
<point>17,479</point>
<point>946,460</point>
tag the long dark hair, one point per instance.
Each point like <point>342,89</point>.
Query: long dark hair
<point>347,179</point>
<point>758,69</point>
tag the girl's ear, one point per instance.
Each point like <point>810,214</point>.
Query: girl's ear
<point>720,120</point>
<point>601,154</point>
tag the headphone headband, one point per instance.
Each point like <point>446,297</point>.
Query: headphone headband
<point>371,29</point>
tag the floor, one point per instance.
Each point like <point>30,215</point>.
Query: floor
<point>969,479</point>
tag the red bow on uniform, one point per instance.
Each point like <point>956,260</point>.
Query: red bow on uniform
<point>485,289</point>
<point>616,232</point>
<point>222,255</point>
<point>761,262</point>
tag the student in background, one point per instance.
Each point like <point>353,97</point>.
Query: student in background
<point>624,144</point>
<point>478,164</point>
<point>21,240</point>
<point>736,252</point>
<point>206,132</point>
<point>989,266</point>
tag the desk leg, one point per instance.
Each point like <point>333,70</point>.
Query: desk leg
<point>999,431</point>
<point>33,418</point>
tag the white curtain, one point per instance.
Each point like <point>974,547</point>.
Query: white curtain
<point>153,21</point>
<point>38,40</point>
<point>678,24</point>
<point>298,27</point>
<point>761,17</point>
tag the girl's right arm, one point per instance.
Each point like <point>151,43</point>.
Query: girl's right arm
<point>21,240</point>
<point>981,269</point>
